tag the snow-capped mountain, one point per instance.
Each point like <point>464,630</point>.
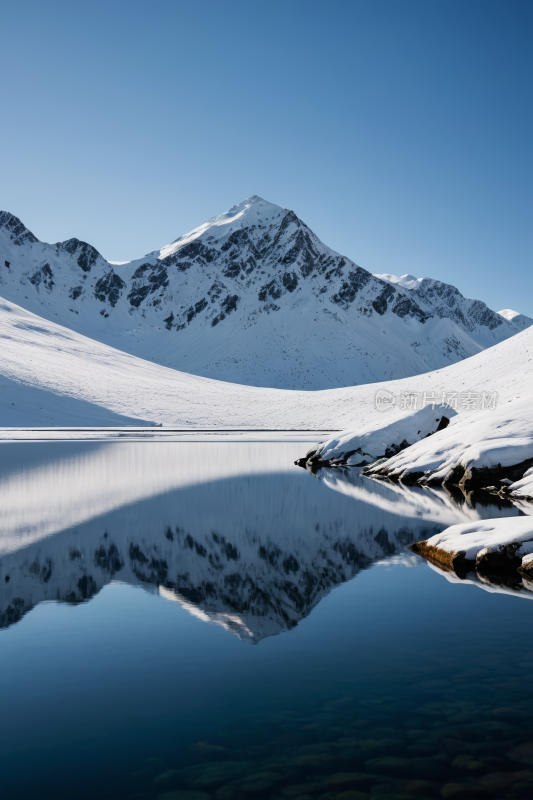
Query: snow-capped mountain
<point>254,297</point>
<point>520,320</point>
<point>434,292</point>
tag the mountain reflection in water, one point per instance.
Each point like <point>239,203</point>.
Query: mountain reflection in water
<point>231,531</point>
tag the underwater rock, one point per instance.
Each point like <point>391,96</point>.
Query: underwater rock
<point>228,792</point>
<point>183,795</point>
<point>522,753</point>
<point>415,788</point>
<point>259,782</point>
<point>390,765</point>
<point>348,779</point>
<point>452,789</point>
<point>496,781</point>
<point>167,776</point>
<point>213,774</point>
<point>466,762</point>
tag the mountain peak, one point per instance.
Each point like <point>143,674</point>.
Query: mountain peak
<point>251,296</point>
<point>508,313</point>
<point>516,318</point>
<point>253,210</point>
<point>18,233</point>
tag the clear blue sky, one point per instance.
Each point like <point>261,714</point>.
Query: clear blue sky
<point>399,130</point>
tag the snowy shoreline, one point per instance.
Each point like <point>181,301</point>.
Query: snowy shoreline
<point>488,450</point>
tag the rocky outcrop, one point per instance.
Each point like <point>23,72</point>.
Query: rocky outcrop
<point>526,567</point>
<point>367,449</point>
<point>490,548</point>
<point>497,480</point>
<point>487,561</point>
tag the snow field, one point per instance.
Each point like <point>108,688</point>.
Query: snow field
<point>52,376</point>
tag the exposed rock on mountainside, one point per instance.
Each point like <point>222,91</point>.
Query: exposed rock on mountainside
<point>252,296</point>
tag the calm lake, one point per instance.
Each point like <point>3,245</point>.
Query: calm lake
<point>203,619</point>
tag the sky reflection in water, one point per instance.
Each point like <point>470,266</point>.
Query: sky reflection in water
<point>396,683</point>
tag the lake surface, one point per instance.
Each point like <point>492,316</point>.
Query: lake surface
<point>196,620</point>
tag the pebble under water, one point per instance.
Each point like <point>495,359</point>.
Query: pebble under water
<point>205,621</point>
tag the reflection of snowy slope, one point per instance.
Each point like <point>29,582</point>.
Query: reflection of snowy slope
<point>79,482</point>
<point>253,553</point>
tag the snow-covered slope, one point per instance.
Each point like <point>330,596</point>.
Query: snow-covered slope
<point>480,445</point>
<point>253,297</point>
<point>483,440</point>
<point>520,320</point>
<point>406,281</point>
<point>52,376</point>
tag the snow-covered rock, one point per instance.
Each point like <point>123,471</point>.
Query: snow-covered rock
<point>523,488</point>
<point>253,297</point>
<point>497,544</point>
<point>381,437</point>
<point>479,447</point>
